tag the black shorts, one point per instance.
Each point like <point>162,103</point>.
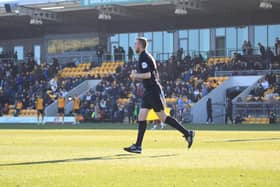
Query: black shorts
<point>61,110</point>
<point>40,112</point>
<point>153,100</point>
<point>76,111</point>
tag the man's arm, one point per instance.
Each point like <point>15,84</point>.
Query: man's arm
<point>144,71</point>
<point>140,76</point>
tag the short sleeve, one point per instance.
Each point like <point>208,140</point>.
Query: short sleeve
<point>144,65</point>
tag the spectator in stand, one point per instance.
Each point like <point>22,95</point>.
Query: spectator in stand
<point>99,54</point>
<point>121,54</point>
<point>19,106</point>
<point>245,47</point>
<point>272,118</point>
<point>130,54</point>
<point>249,48</point>
<point>180,54</point>
<point>269,56</point>
<point>172,70</point>
<point>265,84</point>
<point>276,46</point>
<point>181,106</point>
<point>262,50</point>
<point>116,53</point>
<point>278,51</point>
<point>6,109</point>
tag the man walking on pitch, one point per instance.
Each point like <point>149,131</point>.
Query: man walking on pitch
<point>153,97</point>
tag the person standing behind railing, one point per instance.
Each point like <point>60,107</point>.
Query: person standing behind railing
<point>262,50</point>
<point>245,48</point>
<point>116,52</point>
<point>269,56</point>
<point>99,54</point>
<point>278,51</point>
<point>130,54</point>
<point>277,47</point>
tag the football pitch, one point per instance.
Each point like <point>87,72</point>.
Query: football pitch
<point>92,156</point>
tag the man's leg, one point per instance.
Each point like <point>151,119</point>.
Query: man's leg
<point>172,122</point>
<point>211,117</point>
<point>230,118</point>
<point>38,117</point>
<point>189,135</point>
<point>129,119</point>
<point>43,115</point>
<point>142,125</point>
<point>226,120</point>
<point>208,117</point>
<point>62,116</point>
<point>137,147</point>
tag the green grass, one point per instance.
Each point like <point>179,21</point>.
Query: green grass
<point>69,156</point>
<point>118,126</point>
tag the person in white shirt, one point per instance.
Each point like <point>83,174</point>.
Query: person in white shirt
<point>265,84</point>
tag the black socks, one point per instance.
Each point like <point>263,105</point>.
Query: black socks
<point>141,131</point>
<point>176,125</point>
<point>142,125</point>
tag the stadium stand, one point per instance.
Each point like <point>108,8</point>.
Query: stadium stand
<point>118,87</point>
<point>186,80</point>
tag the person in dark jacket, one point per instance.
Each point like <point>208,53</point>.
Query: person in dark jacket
<point>262,50</point>
<point>239,119</point>
<point>229,111</point>
<point>209,111</point>
<point>130,54</point>
<point>269,56</point>
<point>130,110</point>
<point>276,45</point>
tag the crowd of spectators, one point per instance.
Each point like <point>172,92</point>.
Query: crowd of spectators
<point>101,104</point>
<point>186,77</point>
<point>253,59</point>
<point>267,89</point>
<point>22,82</point>
<point>182,77</point>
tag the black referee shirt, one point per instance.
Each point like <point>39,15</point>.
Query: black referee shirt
<point>147,64</point>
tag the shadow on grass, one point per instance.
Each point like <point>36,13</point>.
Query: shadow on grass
<point>112,157</point>
<point>246,140</point>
